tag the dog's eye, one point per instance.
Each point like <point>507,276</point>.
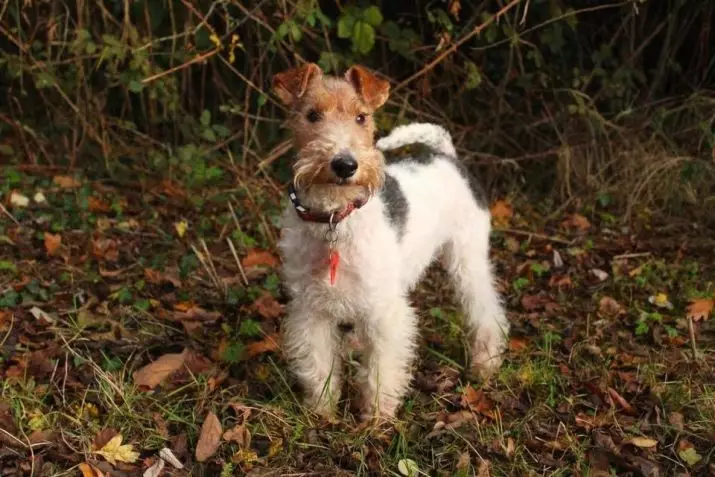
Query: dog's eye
<point>360,118</point>
<point>313,116</point>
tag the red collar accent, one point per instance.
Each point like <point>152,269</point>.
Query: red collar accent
<point>322,217</point>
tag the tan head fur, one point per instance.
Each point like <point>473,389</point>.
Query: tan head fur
<point>331,117</point>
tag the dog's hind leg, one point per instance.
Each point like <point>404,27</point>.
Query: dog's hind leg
<point>467,260</point>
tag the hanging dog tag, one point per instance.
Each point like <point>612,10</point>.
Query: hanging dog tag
<point>333,262</point>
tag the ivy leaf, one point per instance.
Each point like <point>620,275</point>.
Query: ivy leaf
<point>363,37</point>
<point>113,451</point>
<point>135,86</point>
<point>373,16</point>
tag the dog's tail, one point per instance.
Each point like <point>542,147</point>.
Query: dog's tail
<point>431,135</point>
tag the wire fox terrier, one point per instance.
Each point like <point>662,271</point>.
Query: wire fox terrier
<point>359,235</point>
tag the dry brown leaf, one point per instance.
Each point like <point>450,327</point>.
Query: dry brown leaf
<point>102,437</point>
<point>642,442</point>
<point>518,344</point>
<point>700,309</point>
<point>66,182</point>
<point>151,375</point>
<point>240,435</point>
<point>157,277</point>
<point>483,470</point>
<point>577,221</point>
<point>501,212</point>
<point>268,307</point>
<point>52,243</point>
<point>97,205</point>
<point>105,249</point>
<point>209,439</point>
<point>270,343</point>
<point>259,258</point>
<point>609,307</point>
<point>676,420</point>
<point>625,405</point>
<point>477,401</point>
<point>89,470</point>
<point>195,313</point>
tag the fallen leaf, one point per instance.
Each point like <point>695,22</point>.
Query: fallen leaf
<point>167,454</point>
<point>661,301</point>
<point>676,420</point>
<point>577,221</point>
<point>90,471</point>
<point>39,198</point>
<point>700,309</point>
<point>52,243</point>
<point>18,200</point>
<point>643,442</point>
<point>151,375</point>
<point>600,274</point>
<point>181,228</point>
<point>690,456</point>
<point>483,470</point>
<point>408,467</point>
<point>157,277</point>
<point>621,401</point>
<point>155,469</point>
<point>194,313</point>
<point>40,314</point>
<point>608,307</point>
<point>558,261</point>
<point>510,447</point>
<point>270,343</point>
<point>268,307</point>
<point>463,461</point>
<point>501,212</point>
<point>113,451</point>
<point>259,258</point>
<point>209,439</point>
<point>105,249</point>
<point>477,401</point>
<point>240,435</point>
<point>102,437</point>
<point>96,205</point>
<point>518,344</point>
<point>66,182</point>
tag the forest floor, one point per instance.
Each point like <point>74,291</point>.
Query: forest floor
<point>127,326</point>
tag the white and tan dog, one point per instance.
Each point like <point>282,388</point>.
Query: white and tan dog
<point>359,235</point>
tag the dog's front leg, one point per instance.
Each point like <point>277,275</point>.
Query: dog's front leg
<point>391,338</point>
<point>311,344</point>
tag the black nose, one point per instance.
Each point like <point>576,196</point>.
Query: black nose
<point>344,165</point>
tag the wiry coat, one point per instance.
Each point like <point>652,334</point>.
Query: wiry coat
<point>426,208</point>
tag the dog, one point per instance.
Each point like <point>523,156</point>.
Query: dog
<point>358,235</point>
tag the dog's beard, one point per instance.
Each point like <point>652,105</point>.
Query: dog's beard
<point>320,189</point>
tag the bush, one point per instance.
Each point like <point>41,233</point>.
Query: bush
<point>585,98</point>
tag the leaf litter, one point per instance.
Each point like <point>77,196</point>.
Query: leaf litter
<point>585,369</point>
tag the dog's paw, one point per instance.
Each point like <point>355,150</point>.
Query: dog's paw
<point>487,355</point>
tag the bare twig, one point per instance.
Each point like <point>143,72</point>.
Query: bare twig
<point>7,212</point>
<point>526,233</point>
<point>197,59</point>
<point>477,30</point>
<point>238,262</point>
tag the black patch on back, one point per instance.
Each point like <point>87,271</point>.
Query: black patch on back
<point>474,185</point>
<point>395,203</point>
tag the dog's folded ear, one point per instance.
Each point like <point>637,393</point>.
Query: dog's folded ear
<point>373,90</point>
<point>292,84</point>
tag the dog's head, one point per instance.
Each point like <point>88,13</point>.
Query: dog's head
<point>333,128</point>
